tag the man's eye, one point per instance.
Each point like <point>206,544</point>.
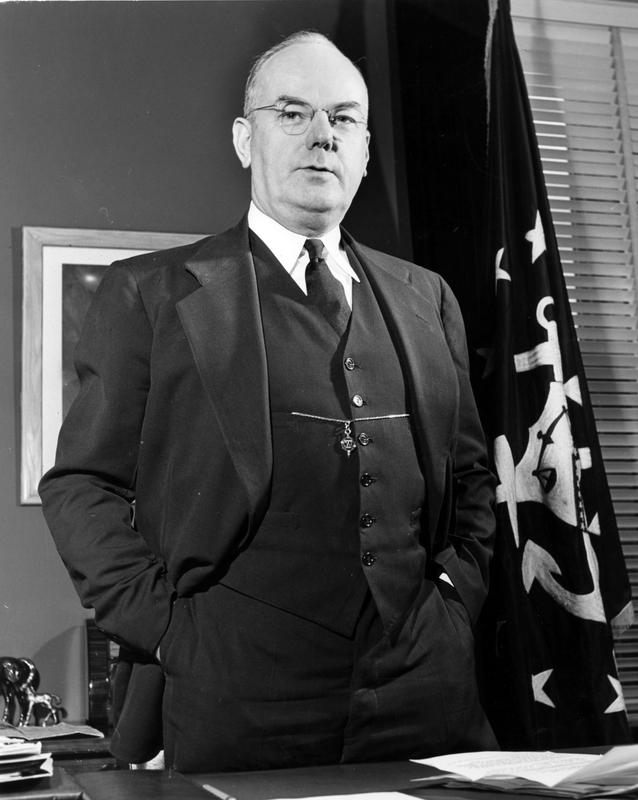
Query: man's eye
<point>344,119</point>
<point>291,115</point>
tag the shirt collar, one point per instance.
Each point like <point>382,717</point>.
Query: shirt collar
<point>287,246</point>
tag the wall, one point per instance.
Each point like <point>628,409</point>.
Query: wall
<point>444,108</point>
<point>117,115</point>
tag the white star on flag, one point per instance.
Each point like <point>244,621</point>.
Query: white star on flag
<point>619,702</point>
<point>537,237</point>
<point>538,684</point>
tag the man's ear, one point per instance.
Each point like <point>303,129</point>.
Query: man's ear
<point>365,171</point>
<point>241,140</point>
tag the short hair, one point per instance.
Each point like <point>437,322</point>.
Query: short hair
<point>300,37</point>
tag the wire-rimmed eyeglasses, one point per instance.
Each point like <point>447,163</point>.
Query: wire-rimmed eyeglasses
<point>295,118</point>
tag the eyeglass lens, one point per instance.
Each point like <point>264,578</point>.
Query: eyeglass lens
<point>295,118</point>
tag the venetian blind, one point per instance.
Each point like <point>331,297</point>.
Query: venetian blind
<point>585,111</point>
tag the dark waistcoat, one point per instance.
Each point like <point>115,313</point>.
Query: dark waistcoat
<point>337,524</point>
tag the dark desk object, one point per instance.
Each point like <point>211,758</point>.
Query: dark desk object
<point>309,781</point>
<point>139,785</point>
<point>102,657</point>
<point>303,782</point>
<point>83,754</point>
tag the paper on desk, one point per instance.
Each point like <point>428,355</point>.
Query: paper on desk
<point>10,746</point>
<point>616,760</point>
<point>37,732</point>
<point>544,767</point>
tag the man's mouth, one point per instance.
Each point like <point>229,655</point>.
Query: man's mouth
<point>315,168</point>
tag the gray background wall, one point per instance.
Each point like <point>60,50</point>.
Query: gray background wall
<point>117,115</point>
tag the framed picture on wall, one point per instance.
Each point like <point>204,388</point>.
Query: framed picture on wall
<point>62,268</point>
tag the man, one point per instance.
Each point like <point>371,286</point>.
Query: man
<point>291,416</point>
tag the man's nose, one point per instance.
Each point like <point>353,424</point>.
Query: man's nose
<point>320,132</point>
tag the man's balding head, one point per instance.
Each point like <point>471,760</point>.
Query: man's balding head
<point>304,179</point>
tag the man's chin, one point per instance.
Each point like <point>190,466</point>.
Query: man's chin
<point>321,200</point>
<point>329,214</point>
<point>308,211</point>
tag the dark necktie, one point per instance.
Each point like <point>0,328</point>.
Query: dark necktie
<point>324,290</point>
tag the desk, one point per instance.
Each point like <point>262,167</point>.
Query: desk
<point>292,783</point>
<point>267,785</point>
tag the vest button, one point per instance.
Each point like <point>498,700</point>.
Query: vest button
<point>366,479</point>
<point>358,401</point>
<point>364,439</point>
<point>367,521</point>
<point>350,363</point>
<point>368,559</point>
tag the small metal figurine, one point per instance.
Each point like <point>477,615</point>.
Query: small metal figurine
<point>30,699</point>
<point>18,683</point>
<point>13,673</point>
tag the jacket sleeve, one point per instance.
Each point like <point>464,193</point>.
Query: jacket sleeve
<point>88,496</point>
<point>467,542</point>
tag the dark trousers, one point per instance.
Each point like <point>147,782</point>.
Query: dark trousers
<point>249,686</point>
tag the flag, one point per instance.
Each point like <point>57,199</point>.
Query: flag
<point>559,584</point>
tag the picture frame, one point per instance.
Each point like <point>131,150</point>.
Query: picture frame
<point>61,269</point>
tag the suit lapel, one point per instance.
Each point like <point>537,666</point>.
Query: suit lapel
<point>223,325</point>
<point>415,322</point>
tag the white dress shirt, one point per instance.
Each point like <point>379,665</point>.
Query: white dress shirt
<point>288,248</point>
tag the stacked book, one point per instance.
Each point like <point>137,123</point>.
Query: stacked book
<point>21,760</point>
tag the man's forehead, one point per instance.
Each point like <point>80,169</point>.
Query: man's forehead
<point>312,68</point>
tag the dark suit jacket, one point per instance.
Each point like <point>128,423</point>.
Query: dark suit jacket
<point>173,414</point>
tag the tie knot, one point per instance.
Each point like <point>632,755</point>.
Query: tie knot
<point>314,248</point>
